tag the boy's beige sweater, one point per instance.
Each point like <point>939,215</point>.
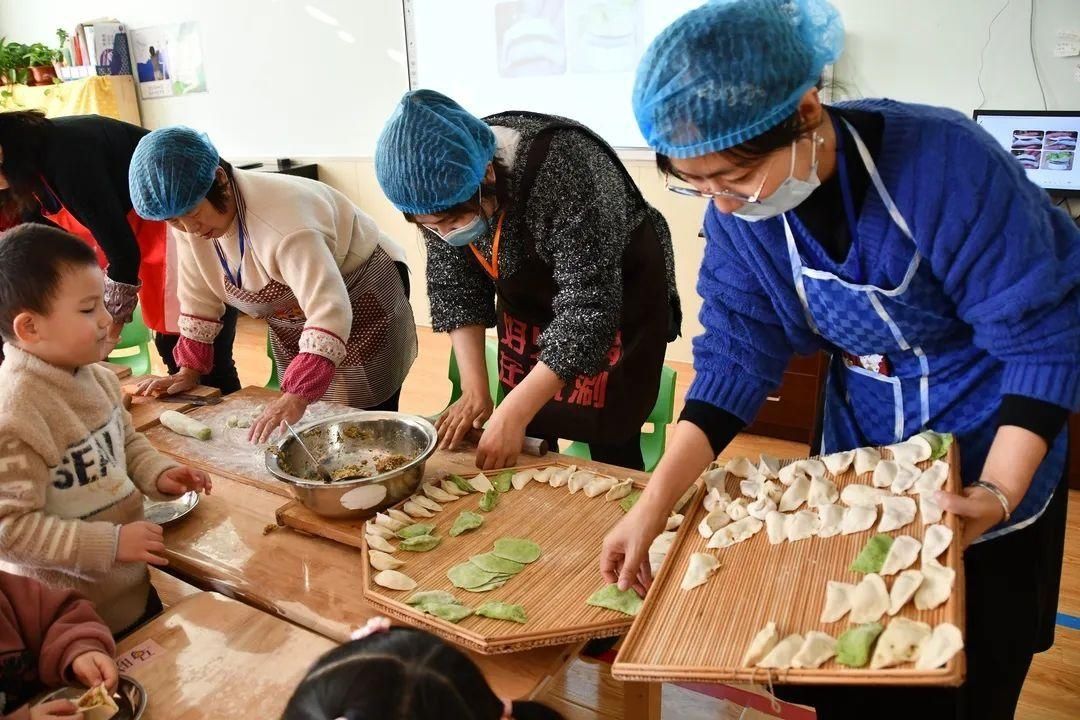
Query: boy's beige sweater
<point>71,470</point>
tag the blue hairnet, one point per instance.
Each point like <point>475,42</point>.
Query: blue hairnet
<point>730,70</point>
<point>432,154</point>
<point>171,172</point>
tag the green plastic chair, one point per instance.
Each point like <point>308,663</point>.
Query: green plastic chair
<point>491,355</point>
<point>274,383</point>
<point>133,349</point>
<point>652,442</point>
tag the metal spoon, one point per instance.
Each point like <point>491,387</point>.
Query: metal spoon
<point>324,474</point>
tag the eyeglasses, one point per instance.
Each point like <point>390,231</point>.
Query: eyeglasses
<point>694,192</point>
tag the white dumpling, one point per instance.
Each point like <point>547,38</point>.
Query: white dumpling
<point>866,459</point>
<point>620,490</point>
<point>715,500</point>
<point>399,516</point>
<point>801,525</point>
<point>662,543</point>
<point>769,466</point>
<point>936,587</point>
<point>945,641</point>
<point>751,487</point>
<point>813,467</point>
<point>379,543</point>
<point>856,519</point>
<point>795,495</point>
<point>716,478</point>
<point>885,473</point>
<point>390,523</point>
<point>480,483</point>
<point>451,489</point>
<point>740,467</point>
<point>817,647</point>
<point>933,478</point>
<point>792,472</point>
<point>736,532</point>
<point>936,540</point>
<point>543,475</point>
<point>713,522</point>
<point>896,512</point>
<point>902,554</point>
<point>822,492</point>
<point>830,517</point>
<point>870,600</point>
<point>899,643</point>
<point>761,644</point>
<point>414,509</point>
<point>903,589</point>
<point>579,480</point>
<point>914,450</point>
<point>524,477</point>
<point>698,570</point>
<point>906,477</point>
<point>599,486</point>
<point>929,510</point>
<point>856,495</point>
<point>371,528</point>
<point>382,560</point>
<point>561,476</point>
<point>394,580</point>
<point>426,502</point>
<point>772,490</point>
<point>780,657</point>
<point>736,509</point>
<point>775,528</point>
<point>838,463</point>
<point>760,508</point>
<point>837,600</point>
<point>437,494</point>
<point>674,521</point>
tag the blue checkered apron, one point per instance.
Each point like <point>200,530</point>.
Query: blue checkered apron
<point>940,379</point>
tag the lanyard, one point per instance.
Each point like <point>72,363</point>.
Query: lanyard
<point>238,279</point>
<point>492,268</point>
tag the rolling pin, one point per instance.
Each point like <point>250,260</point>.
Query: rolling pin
<point>532,446</point>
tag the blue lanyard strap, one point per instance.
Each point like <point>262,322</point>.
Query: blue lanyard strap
<point>238,280</point>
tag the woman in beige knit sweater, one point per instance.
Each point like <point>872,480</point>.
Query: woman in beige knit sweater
<point>296,252</point>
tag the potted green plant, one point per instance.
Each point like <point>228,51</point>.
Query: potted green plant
<point>12,62</point>
<point>40,57</point>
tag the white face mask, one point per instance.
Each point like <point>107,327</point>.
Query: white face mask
<point>788,195</point>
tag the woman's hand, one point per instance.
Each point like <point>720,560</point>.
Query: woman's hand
<point>624,558</point>
<point>978,507</point>
<point>502,440</point>
<point>287,408</point>
<point>181,382</point>
<point>470,411</point>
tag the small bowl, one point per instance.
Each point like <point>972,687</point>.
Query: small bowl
<point>354,439</point>
<point>130,697</point>
<point>168,511</point>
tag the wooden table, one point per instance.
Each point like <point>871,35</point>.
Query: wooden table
<point>204,658</point>
<point>121,371</point>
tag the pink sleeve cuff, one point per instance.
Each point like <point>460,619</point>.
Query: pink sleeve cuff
<point>308,376</point>
<point>198,356</point>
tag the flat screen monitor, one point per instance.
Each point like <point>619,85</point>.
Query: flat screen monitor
<point>1043,142</point>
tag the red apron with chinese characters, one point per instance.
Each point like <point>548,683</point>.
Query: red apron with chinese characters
<point>382,341</point>
<point>612,405</point>
<point>150,236</point>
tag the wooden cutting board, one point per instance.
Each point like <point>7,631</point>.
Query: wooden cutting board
<point>228,451</point>
<point>569,528</point>
<point>146,410</point>
<point>703,633</point>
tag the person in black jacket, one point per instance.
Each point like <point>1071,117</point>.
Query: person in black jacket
<point>72,172</point>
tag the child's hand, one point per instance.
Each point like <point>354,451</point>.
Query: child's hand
<point>141,541</point>
<point>178,480</point>
<point>55,710</point>
<point>94,668</point>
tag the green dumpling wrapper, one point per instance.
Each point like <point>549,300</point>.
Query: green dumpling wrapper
<point>468,576</point>
<point>498,610</point>
<point>431,596</point>
<point>519,550</point>
<point>854,645</point>
<point>872,557</point>
<point>490,562</point>
<point>611,597</point>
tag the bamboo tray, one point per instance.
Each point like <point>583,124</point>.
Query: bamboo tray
<point>702,634</point>
<point>569,529</point>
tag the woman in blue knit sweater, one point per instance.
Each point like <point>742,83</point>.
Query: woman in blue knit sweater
<point>905,242</point>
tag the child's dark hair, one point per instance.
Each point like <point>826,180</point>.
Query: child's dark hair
<point>401,674</point>
<point>22,137</point>
<point>33,259</point>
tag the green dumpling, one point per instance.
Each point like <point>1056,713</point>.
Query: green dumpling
<point>461,483</point>
<point>414,530</point>
<point>854,645</point>
<point>612,598</point>
<point>939,443</point>
<point>465,522</point>
<point>628,502</point>
<point>451,612</point>
<point>498,610</point>
<point>431,596</point>
<point>502,481</point>
<point>420,543</point>
<point>872,556</point>
<point>517,549</point>
<point>489,500</point>
<point>490,562</point>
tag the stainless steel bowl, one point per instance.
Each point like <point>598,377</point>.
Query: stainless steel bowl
<point>130,697</point>
<point>354,439</point>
